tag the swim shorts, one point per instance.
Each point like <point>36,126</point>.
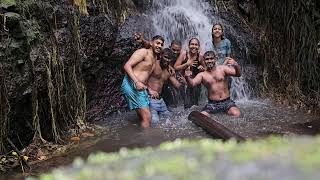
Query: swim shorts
<point>219,106</point>
<point>136,99</point>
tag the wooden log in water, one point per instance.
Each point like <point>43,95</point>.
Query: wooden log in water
<point>213,127</point>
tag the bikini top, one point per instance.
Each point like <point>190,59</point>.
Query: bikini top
<point>194,69</point>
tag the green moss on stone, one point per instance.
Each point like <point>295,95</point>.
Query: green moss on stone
<point>185,159</point>
<point>8,2</point>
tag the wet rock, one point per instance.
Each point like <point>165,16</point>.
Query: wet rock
<point>245,7</point>
<point>12,17</point>
<point>143,5</point>
<point>9,5</point>
<point>125,44</point>
<point>98,35</point>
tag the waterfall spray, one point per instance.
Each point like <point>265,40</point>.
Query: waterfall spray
<point>184,19</point>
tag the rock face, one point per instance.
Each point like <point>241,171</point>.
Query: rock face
<point>48,48</point>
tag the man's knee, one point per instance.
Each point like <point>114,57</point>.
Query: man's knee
<point>205,113</point>
<point>234,111</point>
<point>145,115</point>
<point>154,117</point>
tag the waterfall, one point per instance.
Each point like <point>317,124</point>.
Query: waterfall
<point>183,19</point>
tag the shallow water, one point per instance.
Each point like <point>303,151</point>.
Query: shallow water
<point>258,119</point>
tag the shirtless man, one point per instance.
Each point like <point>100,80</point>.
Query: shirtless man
<point>214,78</point>
<point>138,70</point>
<point>162,72</point>
<point>169,93</point>
<point>175,46</point>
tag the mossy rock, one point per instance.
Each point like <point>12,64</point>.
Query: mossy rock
<point>7,3</point>
<point>290,158</point>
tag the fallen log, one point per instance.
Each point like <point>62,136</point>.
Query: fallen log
<point>213,127</point>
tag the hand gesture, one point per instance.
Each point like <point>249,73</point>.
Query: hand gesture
<point>201,68</point>
<point>190,62</point>
<point>188,72</point>
<point>230,61</point>
<point>153,94</point>
<point>138,37</point>
<point>140,86</point>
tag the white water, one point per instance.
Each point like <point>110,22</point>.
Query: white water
<point>183,19</point>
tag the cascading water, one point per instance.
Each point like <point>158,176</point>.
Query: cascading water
<point>183,19</point>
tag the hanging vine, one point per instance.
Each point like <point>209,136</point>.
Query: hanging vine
<point>291,68</point>
<point>59,103</point>
<point>4,111</point>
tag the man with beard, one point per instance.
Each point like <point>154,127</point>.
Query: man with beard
<point>175,46</point>
<point>214,78</point>
<point>169,92</point>
<point>138,70</point>
<point>162,72</point>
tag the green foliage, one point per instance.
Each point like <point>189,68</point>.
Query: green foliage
<point>289,38</point>
<point>82,5</point>
<point>185,159</point>
<point>9,2</point>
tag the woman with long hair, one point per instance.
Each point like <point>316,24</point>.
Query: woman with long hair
<point>192,59</point>
<point>221,45</point>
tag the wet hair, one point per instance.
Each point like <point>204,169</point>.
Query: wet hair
<point>158,37</point>
<point>209,53</point>
<point>222,36</point>
<point>176,42</point>
<point>168,52</point>
<point>193,39</point>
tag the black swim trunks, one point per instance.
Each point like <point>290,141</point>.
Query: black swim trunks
<point>219,106</point>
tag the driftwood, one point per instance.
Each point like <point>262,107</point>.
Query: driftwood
<point>213,127</point>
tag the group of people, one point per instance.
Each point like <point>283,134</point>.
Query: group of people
<point>150,67</point>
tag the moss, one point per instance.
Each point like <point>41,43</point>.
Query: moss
<point>185,159</point>
<point>8,2</point>
<point>82,4</point>
<point>177,166</point>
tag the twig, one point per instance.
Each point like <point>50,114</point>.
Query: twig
<point>19,154</point>
<point>4,22</point>
<point>224,5</point>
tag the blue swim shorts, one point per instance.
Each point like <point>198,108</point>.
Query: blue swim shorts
<point>136,99</point>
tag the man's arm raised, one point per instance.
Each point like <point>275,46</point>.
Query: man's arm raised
<point>140,39</point>
<point>196,80</point>
<point>175,82</point>
<point>234,70</point>
<point>135,58</point>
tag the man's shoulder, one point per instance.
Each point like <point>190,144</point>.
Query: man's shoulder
<point>142,52</point>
